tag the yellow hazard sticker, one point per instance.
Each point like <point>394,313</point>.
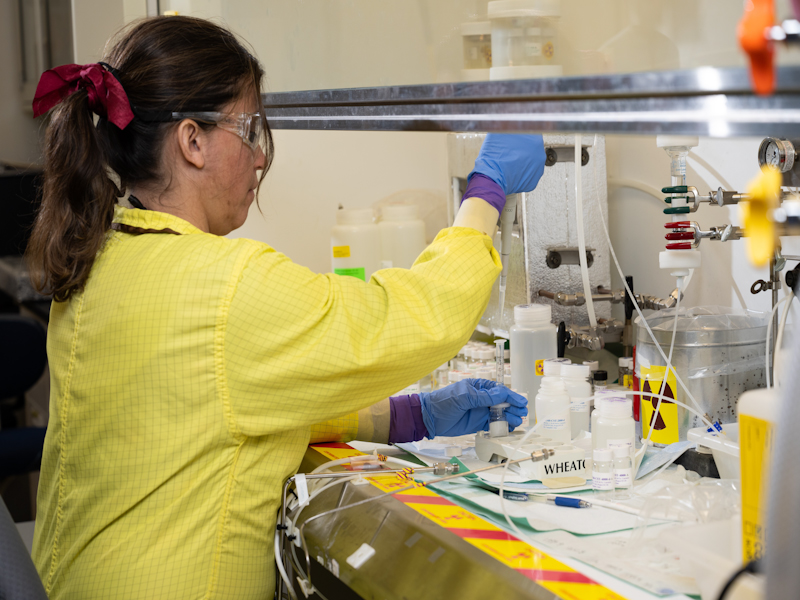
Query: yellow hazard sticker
<point>341,252</point>
<point>540,367</point>
<point>665,423</point>
<point>755,448</point>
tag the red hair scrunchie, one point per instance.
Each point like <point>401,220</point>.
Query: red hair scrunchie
<point>106,96</point>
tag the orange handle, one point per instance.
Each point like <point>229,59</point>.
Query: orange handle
<point>758,16</point>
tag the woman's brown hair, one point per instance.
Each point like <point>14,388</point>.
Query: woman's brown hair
<point>165,64</point>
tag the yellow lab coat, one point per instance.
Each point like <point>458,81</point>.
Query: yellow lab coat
<point>185,379</point>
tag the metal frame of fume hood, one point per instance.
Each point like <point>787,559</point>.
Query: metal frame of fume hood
<point>714,102</point>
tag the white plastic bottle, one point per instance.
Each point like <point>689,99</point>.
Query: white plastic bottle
<point>552,406</point>
<point>402,235</point>
<point>355,244</point>
<point>533,339</point>
<point>612,423</point>
<point>576,380</point>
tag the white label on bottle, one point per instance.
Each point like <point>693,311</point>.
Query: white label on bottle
<point>533,49</point>
<point>620,444</point>
<point>622,477</point>
<point>602,481</point>
<point>555,424</point>
<point>579,406</point>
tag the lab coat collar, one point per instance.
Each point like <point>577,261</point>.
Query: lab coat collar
<point>153,221</point>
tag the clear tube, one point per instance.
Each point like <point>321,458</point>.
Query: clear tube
<point>498,424</point>
<point>587,288</point>
<point>500,346</point>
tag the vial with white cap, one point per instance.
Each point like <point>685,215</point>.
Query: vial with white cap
<point>602,471</point>
<point>498,424</point>
<point>612,422</point>
<point>533,339</point>
<point>552,407</point>
<point>576,380</point>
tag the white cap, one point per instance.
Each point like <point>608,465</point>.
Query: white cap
<point>355,216</point>
<point>400,212</point>
<point>614,406</point>
<point>454,376</point>
<point>483,354</point>
<point>553,385</point>
<point>629,362</point>
<point>501,9</point>
<point>601,454</point>
<point>621,452</point>
<point>552,366</point>
<point>621,361</point>
<point>576,371</point>
<point>593,365</point>
<point>529,316</point>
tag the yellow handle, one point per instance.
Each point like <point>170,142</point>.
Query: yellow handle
<point>756,214</point>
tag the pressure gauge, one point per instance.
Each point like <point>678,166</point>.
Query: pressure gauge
<point>774,152</point>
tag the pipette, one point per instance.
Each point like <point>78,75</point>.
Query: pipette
<point>506,225</point>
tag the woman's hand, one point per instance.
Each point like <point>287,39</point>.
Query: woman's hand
<point>463,407</point>
<point>513,161</point>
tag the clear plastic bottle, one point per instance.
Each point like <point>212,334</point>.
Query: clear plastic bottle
<point>355,244</point>
<point>623,468</point>
<point>552,406</point>
<point>602,471</point>
<point>576,380</point>
<point>402,235</point>
<point>612,423</point>
<point>440,376</point>
<point>533,339</point>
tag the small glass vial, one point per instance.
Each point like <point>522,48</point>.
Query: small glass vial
<point>623,468</point>
<point>498,425</point>
<point>602,471</point>
<point>600,380</point>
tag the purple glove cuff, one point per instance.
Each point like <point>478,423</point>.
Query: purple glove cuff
<point>405,423</point>
<point>481,186</point>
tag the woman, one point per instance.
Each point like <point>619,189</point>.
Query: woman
<point>189,371</point>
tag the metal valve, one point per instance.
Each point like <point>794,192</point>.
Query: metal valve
<point>445,468</point>
<point>542,454</point>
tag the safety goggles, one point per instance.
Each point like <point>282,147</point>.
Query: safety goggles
<point>248,126</point>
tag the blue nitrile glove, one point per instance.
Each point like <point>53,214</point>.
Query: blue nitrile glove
<point>463,407</point>
<point>514,161</point>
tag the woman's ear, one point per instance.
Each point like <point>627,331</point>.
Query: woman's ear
<point>192,143</point>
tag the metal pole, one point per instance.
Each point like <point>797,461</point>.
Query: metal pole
<point>775,282</point>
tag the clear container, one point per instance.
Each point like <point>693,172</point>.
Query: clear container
<point>477,43</point>
<point>553,407</point>
<point>525,34</point>
<point>612,423</point>
<point>576,380</point>
<point>402,235</point>
<point>355,244</point>
<point>498,424</point>
<point>440,376</point>
<point>600,380</point>
<point>533,339</point>
<point>623,468</point>
<point>602,471</point>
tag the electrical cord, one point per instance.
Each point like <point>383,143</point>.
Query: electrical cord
<point>770,333</point>
<point>753,567</point>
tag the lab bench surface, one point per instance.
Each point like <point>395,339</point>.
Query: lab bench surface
<point>429,547</point>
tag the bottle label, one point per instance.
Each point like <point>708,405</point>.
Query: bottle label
<point>555,424</point>
<point>627,381</point>
<point>357,272</point>
<point>533,49</point>
<point>341,252</point>
<point>623,477</point>
<point>579,406</point>
<point>755,441</point>
<point>602,481</point>
<point>620,444</point>
<point>540,368</point>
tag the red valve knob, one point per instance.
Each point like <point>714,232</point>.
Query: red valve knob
<point>680,235</point>
<point>679,246</point>
<point>678,225</point>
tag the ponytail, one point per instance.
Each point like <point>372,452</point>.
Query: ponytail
<point>77,202</point>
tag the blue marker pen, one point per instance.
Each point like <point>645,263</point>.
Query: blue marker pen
<point>567,501</point>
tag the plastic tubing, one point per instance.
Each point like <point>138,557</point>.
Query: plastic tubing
<point>666,376</point>
<point>349,459</point>
<point>707,166</point>
<point>506,227</point>
<point>639,310</point>
<point>281,568</point>
<point>781,327</point>
<point>770,332</point>
<point>637,185</point>
<point>587,288</point>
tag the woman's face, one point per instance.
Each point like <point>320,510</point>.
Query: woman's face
<point>232,174</point>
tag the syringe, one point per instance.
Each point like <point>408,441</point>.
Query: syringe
<point>506,225</point>
<point>500,359</point>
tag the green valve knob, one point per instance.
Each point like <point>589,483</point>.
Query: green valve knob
<point>678,210</point>
<point>669,199</point>
<point>678,189</point>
